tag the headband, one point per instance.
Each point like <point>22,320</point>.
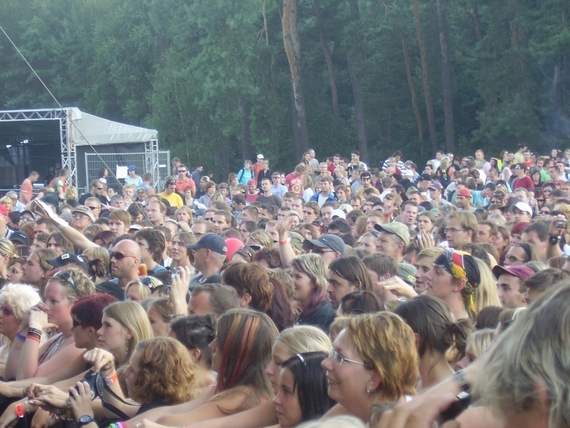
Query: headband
<point>462,265</point>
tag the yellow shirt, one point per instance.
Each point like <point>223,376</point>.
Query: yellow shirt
<point>174,199</point>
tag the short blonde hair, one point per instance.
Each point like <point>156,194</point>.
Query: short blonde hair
<point>387,346</point>
<point>20,297</point>
<point>303,338</point>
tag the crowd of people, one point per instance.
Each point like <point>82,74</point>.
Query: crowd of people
<point>335,295</point>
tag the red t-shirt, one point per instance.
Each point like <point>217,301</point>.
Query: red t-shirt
<point>525,182</point>
<point>26,191</point>
<point>182,185</point>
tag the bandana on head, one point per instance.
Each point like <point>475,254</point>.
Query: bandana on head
<point>462,265</point>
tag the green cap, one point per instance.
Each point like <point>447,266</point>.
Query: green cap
<point>398,229</point>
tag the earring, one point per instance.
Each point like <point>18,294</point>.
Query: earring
<point>367,391</point>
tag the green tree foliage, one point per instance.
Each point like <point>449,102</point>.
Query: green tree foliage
<point>213,76</point>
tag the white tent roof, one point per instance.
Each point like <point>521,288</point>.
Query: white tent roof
<point>89,129</point>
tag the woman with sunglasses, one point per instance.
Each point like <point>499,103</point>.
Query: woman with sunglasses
<point>86,313</point>
<point>28,358</point>
<point>259,239</point>
<point>373,361</point>
<point>123,326</point>
<point>15,301</point>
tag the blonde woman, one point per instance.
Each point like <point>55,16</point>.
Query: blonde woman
<point>7,253</point>
<point>7,202</point>
<point>29,358</point>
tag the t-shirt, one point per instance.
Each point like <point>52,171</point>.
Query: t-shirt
<point>26,191</point>
<point>525,182</point>
<point>174,199</point>
<point>182,185</point>
<point>137,181</point>
<point>270,200</point>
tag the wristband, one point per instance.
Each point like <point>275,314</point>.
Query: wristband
<point>285,241</point>
<point>34,332</point>
<point>19,408</point>
<point>553,240</point>
<point>21,337</point>
<point>112,379</point>
<point>32,337</point>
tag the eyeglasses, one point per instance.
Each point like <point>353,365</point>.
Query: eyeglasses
<point>6,311</point>
<point>545,212</point>
<point>119,256</point>
<point>321,252</point>
<point>182,171</point>
<point>63,275</point>
<point>339,359</point>
<point>540,200</point>
<point>255,247</point>
<point>514,259</point>
<point>453,230</point>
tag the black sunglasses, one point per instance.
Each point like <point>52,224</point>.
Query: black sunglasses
<point>119,256</point>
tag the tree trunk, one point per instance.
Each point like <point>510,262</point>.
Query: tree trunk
<point>412,88</point>
<point>293,51</point>
<point>245,109</point>
<point>446,76</point>
<point>356,90</point>
<point>425,77</point>
<point>264,11</point>
<point>328,59</point>
<point>478,30</point>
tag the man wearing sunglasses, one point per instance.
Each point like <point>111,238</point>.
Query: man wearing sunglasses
<point>522,180</point>
<point>96,190</point>
<point>209,257</point>
<point>183,181</point>
<point>125,260</point>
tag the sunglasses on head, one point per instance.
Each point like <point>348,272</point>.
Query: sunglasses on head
<point>65,276</point>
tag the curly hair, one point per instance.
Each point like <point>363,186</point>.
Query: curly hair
<point>166,373</point>
<point>20,297</point>
<point>74,280</point>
